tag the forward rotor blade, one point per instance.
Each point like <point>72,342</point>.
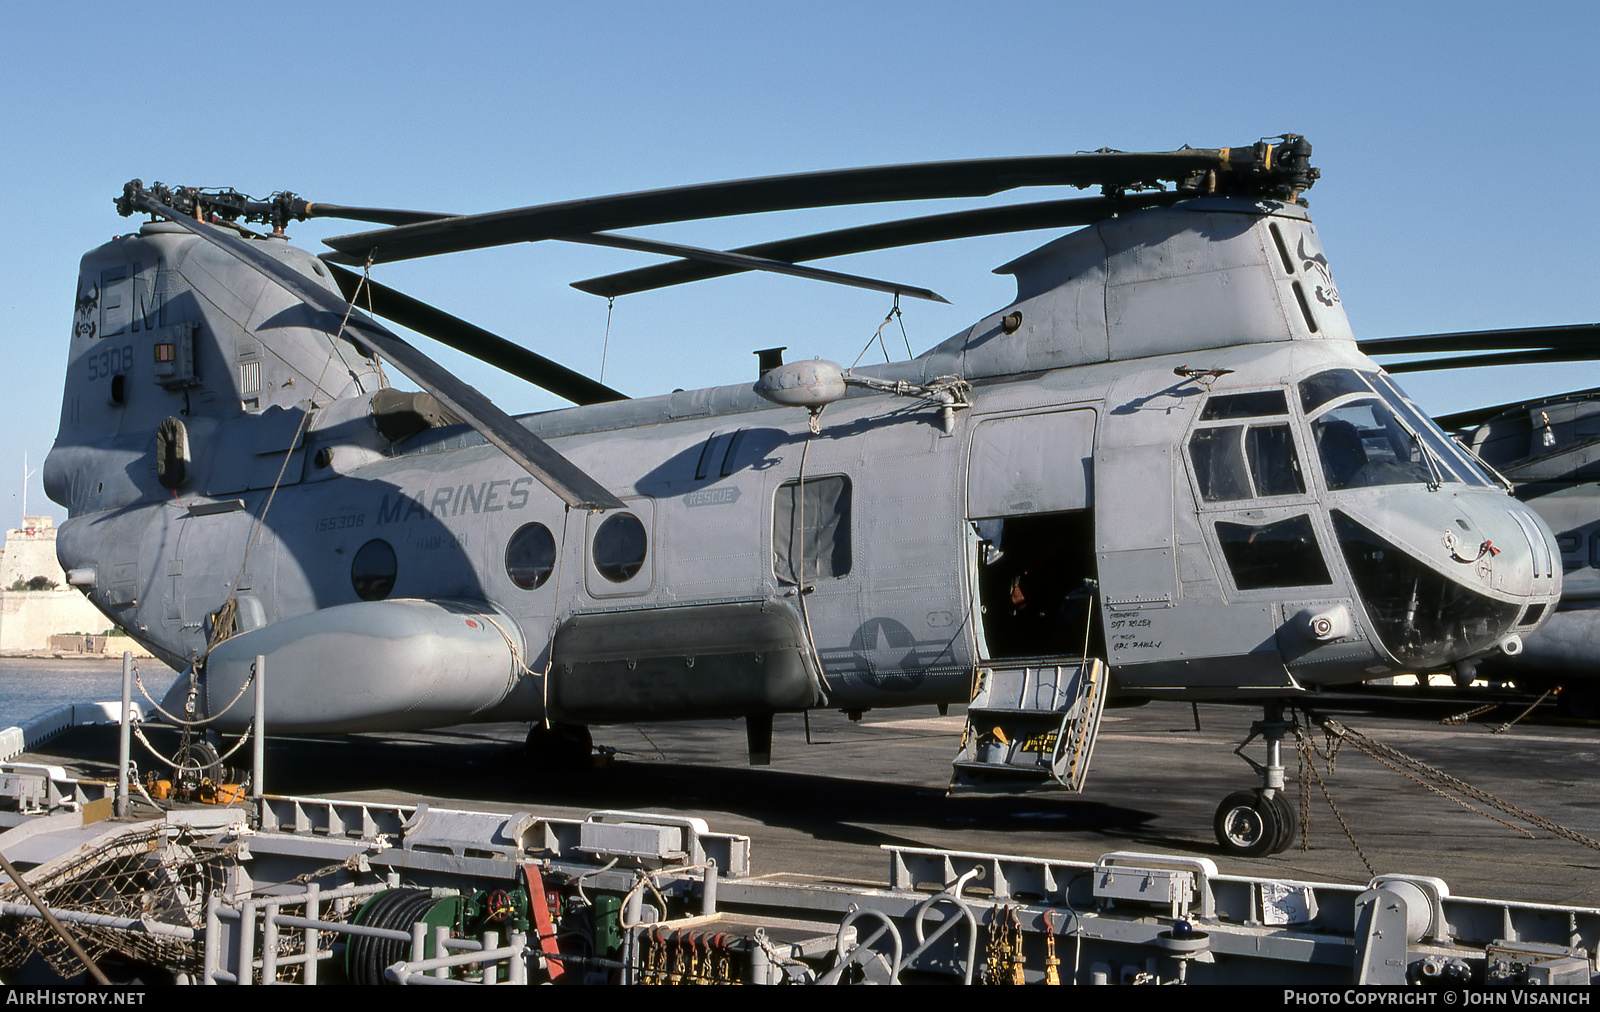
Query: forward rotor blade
<point>379,215</point>
<point>1528,356</point>
<point>742,262</point>
<point>530,452</point>
<point>885,235</point>
<point>470,339</point>
<point>1583,335</point>
<point>921,181</point>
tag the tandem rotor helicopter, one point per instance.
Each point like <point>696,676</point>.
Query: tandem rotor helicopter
<point>1166,458</point>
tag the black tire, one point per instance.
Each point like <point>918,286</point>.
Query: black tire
<point>1289,821</point>
<point>1580,702</point>
<point>560,746</point>
<point>197,762</point>
<point>1247,825</point>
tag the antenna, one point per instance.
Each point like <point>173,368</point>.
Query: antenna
<point>26,474</point>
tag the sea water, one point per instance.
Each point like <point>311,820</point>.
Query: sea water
<point>31,687</point>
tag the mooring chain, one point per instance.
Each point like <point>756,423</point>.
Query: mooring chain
<point>1503,728</point>
<point>138,732</point>
<point>1307,749</point>
<point>1303,751</point>
<point>1419,781</point>
<point>1003,963</point>
<point>1395,757</point>
<point>179,721</point>
<point>1467,715</point>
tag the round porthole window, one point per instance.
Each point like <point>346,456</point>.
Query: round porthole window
<point>373,571</point>
<point>619,547</point>
<point>530,556</point>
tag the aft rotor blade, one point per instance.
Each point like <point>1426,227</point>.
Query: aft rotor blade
<point>885,235</point>
<point>473,340</point>
<point>921,181</point>
<point>1474,417</point>
<point>554,471</point>
<point>744,262</point>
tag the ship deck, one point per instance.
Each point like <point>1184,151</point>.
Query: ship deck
<point>837,790</point>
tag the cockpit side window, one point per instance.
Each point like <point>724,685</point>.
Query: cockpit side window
<point>1246,461</point>
<point>1251,405</point>
<point>1281,554</point>
<point>1218,456</point>
<point>1273,464</point>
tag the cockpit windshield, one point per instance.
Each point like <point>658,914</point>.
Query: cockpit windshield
<point>1361,445</point>
<point>1367,434</point>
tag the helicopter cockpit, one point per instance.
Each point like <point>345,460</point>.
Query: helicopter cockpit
<point>1427,582</point>
<point>1368,434</point>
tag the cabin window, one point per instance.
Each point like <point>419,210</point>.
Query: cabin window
<point>811,530</point>
<point>373,571</point>
<point>530,556</point>
<point>619,547</point>
<point>1282,554</point>
<point>1246,462</point>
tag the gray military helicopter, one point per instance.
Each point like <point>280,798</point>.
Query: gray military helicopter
<point>1167,454</point>
<point>1548,449</point>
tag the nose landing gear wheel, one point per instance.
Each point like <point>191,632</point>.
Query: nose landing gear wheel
<point>1250,825</point>
<point>1288,821</point>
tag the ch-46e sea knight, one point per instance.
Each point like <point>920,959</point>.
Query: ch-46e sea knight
<point>1167,457</point>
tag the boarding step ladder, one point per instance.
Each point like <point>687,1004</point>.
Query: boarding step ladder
<point>1031,726</point>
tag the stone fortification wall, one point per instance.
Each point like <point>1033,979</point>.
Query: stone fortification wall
<point>29,618</point>
<point>30,551</point>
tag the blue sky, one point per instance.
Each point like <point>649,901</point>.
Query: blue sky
<point>1457,144</point>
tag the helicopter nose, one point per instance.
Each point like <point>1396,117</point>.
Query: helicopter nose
<point>1511,550</point>
<point>1546,553</point>
<point>1448,576</point>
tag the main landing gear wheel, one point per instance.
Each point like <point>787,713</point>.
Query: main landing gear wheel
<point>197,763</point>
<point>1581,702</point>
<point>560,746</point>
